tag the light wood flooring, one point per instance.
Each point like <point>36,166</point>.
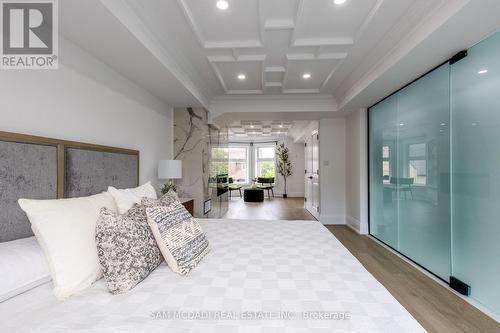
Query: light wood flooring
<point>271,209</point>
<point>436,308</point>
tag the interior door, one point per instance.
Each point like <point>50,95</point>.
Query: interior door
<point>312,174</point>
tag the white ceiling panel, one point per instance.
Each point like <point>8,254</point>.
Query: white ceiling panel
<point>229,72</point>
<point>239,24</point>
<point>325,20</point>
<point>318,69</point>
<point>279,10</point>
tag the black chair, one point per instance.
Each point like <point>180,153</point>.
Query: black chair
<point>233,187</point>
<point>403,185</point>
<point>264,183</point>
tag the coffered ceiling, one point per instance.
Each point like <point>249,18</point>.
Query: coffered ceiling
<point>265,129</point>
<point>274,43</point>
<point>191,53</point>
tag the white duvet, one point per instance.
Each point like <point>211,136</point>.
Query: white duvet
<point>261,276</point>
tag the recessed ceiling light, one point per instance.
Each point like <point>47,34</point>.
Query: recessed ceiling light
<point>306,76</point>
<point>242,76</point>
<point>401,124</point>
<point>482,71</point>
<point>251,126</point>
<point>281,125</point>
<point>339,2</point>
<point>222,4</point>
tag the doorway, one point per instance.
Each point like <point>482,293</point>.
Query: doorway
<point>311,199</point>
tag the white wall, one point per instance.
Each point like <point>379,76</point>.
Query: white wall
<point>332,135</point>
<point>84,100</point>
<point>296,182</point>
<point>356,172</point>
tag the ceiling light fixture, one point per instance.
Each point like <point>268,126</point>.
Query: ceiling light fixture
<point>242,76</point>
<point>281,125</point>
<point>339,2</point>
<point>482,71</point>
<point>306,76</point>
<point>222,4</point>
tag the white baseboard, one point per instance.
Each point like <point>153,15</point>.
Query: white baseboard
<point>353,223</point>
<point>332,219</point>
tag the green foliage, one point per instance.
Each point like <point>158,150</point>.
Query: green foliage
<point>284,163</point>
<point>219,168</point>
<point>267,170</point>
<point>170,186</point>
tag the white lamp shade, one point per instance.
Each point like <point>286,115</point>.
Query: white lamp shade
<point>170,169</point>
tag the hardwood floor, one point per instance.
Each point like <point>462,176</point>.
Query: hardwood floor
<point>436,308</point>
<point>271,209</point>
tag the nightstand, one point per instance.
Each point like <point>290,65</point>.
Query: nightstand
<point>188,203</point>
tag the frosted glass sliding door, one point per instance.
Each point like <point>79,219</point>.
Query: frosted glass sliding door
<point>475,82</point>
<point>434,168</point>
<point>383,160</point>
<point>410,171</point>
<point>424,169</point>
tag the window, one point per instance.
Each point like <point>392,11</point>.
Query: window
<point>386,164</point>
<point>232,161</point>
<point>238,164</point>
<point>264,161</point>
<point>219,162</point>
<point>417,163</point>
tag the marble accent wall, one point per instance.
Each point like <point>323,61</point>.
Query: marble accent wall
<point>194,139</point>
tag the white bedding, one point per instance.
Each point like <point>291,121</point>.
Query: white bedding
<point>270,266</point>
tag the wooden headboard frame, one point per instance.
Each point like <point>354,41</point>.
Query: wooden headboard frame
<point>61,149</point>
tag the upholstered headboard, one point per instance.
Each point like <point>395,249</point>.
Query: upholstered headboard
<point>43,168</point>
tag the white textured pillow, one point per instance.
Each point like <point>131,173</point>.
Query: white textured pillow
<point>23,267</point>
<point>65,229</point>
<point>126,198</point>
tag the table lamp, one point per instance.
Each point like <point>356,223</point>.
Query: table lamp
<point>169,169</point>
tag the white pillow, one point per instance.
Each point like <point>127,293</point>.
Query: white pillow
<point>126,198</point>
<point>65,229</point>
<point>23,267</point>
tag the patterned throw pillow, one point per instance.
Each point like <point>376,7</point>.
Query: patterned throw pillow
<point>166,200</point>
<point>179,236</point>
<point>126,248</point>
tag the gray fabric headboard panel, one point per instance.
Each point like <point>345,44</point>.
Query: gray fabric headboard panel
<point>26,171</point>
<point>90,172</point>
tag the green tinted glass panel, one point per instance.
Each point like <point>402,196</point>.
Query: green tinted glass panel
<point>383,160</point>
<point>476,171</point>
<point>424,171</point>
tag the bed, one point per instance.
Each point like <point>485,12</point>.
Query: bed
<point>260,276</point>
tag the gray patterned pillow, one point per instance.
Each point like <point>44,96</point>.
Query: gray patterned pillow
<point>126,248</point>
<point>165,200</point>
<point>179,236</point>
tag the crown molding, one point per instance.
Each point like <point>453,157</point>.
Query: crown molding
<point>273,103</point>
<point>431,23</point>
<point>127,15</point>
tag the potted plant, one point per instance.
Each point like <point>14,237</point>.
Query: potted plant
<point>284,164</point>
